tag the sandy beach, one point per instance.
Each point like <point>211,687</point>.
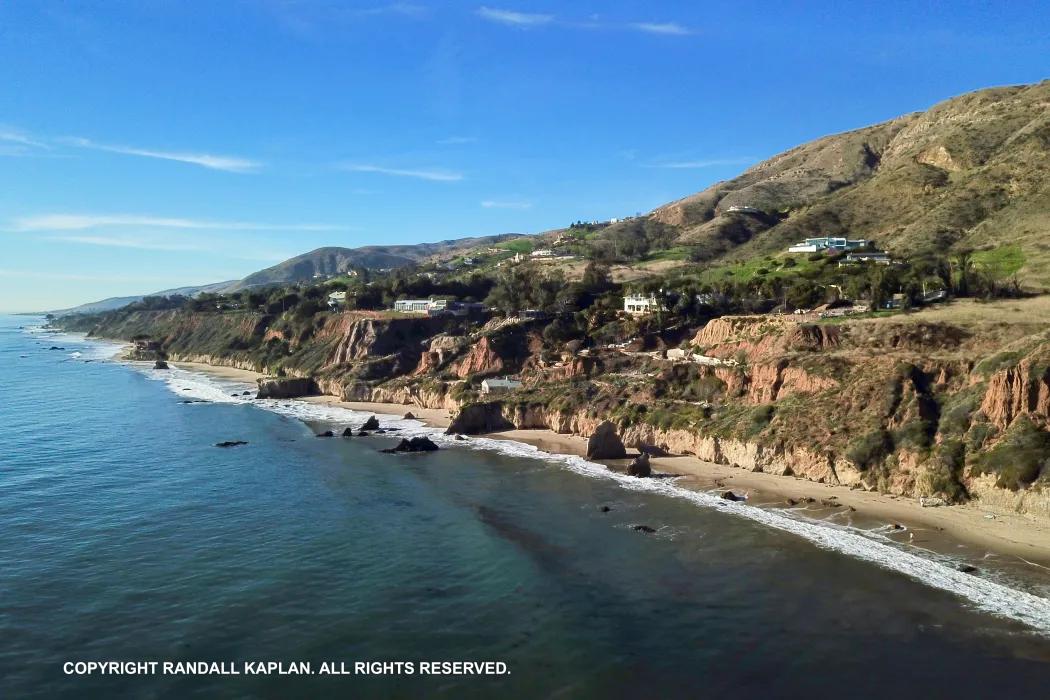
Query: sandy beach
<point>1016,538</point>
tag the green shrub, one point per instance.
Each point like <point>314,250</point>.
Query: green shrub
<point>1019,458</point>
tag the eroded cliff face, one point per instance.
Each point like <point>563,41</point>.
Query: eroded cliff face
<point>910,407</point>
<point>1023,390</point>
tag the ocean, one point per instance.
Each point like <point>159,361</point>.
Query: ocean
<point>127,535</point>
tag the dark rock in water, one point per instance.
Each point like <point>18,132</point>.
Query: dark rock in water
<point>730,496</point>
<point>231,443</point>
<point>605,443</point>
<point>55,347</point>
<point>286,387</point>
<point>392,430</point>
<point>246,393</point>
<point>363,433</point>
<point>605,509</point>
<point>792,502</point>
<point>380,431</point>
<point>640,466</point>
<point>966,568</point>
<point>420,443</point>
<point>643,528</point>
<point>348,432</point>
<point>327,433</point>
<point>409,416</point>
<point>896,526</point>
<point>371,424</point>
<point>478,418</point>
<point>160,364</point>
<point>460,437</point>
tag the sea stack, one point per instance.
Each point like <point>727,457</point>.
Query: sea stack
<point>604,443</point>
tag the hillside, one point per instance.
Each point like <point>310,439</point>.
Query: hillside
<point>971,172</point>
<point>335,260</point>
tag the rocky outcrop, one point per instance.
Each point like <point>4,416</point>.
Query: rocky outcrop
<point>286,387</point>
<point>160,364</point>
<point>420,443</point>
<point>371,424</point>
<point>640,466</point>
<point>481,359</point>
<point>604,443</point>
<point>479,418</point>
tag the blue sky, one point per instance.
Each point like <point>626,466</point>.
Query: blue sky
<point>154,144</point>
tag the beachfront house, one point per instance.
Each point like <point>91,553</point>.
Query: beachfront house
<point>830,244</point>
<point>499,386</point>
<point>438,307</point>
<point>642,304</point>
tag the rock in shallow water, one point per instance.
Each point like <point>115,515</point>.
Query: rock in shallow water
<point>640,466</point>
<point>371,424</point>
<point>231,443</point>
<point>420,443</point>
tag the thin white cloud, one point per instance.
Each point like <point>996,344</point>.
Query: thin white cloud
<point>136,243</point>
<point>20,138</point>
<point>525,20</point>
<point>80,222</point>
<point>505,204</point>
<point>512,18</point>
<point>457,140</point>
<point>434,175</point>
<point>697,164</point>
<point>670,28</point>
<point>231,164</point>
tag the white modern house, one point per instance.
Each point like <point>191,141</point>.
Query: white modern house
<point>829,243</point>
<point>642,304</point>
<point>543,253</point>
<point>336,299</point>
<point>413,305</point>
<point>499,386</point>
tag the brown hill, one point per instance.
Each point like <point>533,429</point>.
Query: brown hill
<point>971,172</point>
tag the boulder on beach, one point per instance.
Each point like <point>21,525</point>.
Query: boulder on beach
<point>478,418</point>
<point>653,451</point>
<point>160,364</point>
<point>231,443</point>
<point>639,466</point>
<point>327,433</point>
<point>730,496</point>
<point>409,416</point>
<point>371,424</point>
<point>348,432</point>
<point>285,387</point>
<point>420,443</point>
<point>605,443</point>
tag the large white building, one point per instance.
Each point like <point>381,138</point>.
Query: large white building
<point>499,386</point>
<point>413,305</point>
<point>829,243</point>
<point>642,304</point>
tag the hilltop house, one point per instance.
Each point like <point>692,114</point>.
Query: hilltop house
<point>336,299</point>
<point>829,244</point>
<point>408,306</point>
<point>499,386</point>
<point>879,257</point>
<point>642,304</point>
<point>543,253</point>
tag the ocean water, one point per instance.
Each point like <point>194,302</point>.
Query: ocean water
<point>126,535</point>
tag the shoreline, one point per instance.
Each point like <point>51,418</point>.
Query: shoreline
<point>1018,540</point>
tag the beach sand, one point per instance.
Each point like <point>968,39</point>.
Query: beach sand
<point>1016,538</point>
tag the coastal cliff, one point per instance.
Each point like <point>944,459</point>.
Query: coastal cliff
<point>912,406</point>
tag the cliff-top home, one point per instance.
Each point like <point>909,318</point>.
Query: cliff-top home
<point>829,244</point>
<point>642,304</point>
